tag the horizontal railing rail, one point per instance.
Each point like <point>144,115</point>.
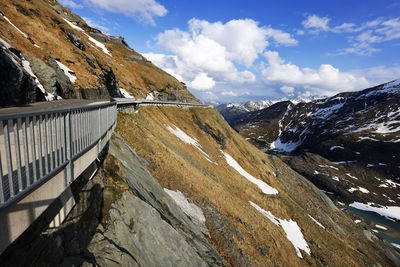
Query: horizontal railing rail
<point>34,146</point>
<point>131,101</point>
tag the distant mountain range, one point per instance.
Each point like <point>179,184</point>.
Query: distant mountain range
<point>347,144</point>
<point>232,111</point>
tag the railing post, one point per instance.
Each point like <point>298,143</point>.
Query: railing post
<point>26,150</point>
<point>17,148</point>
<point>33,149</point>
<point>1,183</point>
<point>67,128</point>
<point>6,133</point>
<point>99,130</point>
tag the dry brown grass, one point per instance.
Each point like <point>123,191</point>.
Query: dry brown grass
<point>134,76</point>
<point>181,166</point>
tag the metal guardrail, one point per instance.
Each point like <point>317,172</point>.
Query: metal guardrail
<point>35,146</point>
<point>123,102</point>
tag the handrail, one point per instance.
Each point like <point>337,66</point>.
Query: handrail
<point>34,146</point>
<point>132,101</point>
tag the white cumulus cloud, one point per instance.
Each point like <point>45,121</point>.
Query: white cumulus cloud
<point>215,49</point>
<point>363,37</point>
<point>316,23</point>
<point>70,3</point>
<point>144,10</point>
<point>202,82</point>
<point>324,80</point>
<point>288,90</point>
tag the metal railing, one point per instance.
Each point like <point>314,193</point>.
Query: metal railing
<point>124,103</point>
<point>35,146</point>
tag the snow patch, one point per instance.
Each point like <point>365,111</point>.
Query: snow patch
<point>91,39</point>
<point>26,65</point>
<point>385,211</point>
<point>265,188</point>
<point>317,222</point>
<point>395,245</point>
<point>73,25</point>
<point>149,96</point>
<point>328,166</point>
<point>5,44</point>
<point>21,32</point>
<point>98,44</point>
<point>357,221</point>
<point>351,176</point>
<point>287,147</point>
<point>291,228</point>
<point>362,189</point>
<point>190,209</point>
<point>380,227</point>
<point>67,71</point>
<point>125,93</point>
<point>187,139</point>
<point>336,147</point>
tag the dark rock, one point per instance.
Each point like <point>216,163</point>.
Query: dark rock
<point>146,187</point>
<point>109,83</point>
<point>217,135</point>
<point>62,84</point>
<point>76,40</point>
<point>46,74</point>
<point>16,85</point>
<point>136,235</point>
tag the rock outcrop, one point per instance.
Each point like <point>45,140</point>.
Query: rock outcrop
<point>16,85</point>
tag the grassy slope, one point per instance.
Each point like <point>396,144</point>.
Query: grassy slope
<point>180,166</point>
<point>44,25</point>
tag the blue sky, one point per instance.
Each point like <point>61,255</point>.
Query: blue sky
<point>250,50</point>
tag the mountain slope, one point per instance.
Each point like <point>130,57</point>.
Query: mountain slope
<point>53,52</point>
<point>347,144</point>
<point>185,153</point>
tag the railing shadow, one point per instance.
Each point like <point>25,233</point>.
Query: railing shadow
<point>41,245</point>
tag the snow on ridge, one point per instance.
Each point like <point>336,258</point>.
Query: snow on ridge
<point>188,140</point>
<point>385,211</point>
<point>190,209</point>
<point>362,189</point>
<point>324,113</point>
<point>265,188</point>
<point>73,25</point>
<point>291,228</point>
<point>125,93</point>
<point>99,44</point>
<point>91,39</point>
<point>21,32</point>
<point>67,71</point>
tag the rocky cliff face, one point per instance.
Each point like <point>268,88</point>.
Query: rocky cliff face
<point>47,52</point>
